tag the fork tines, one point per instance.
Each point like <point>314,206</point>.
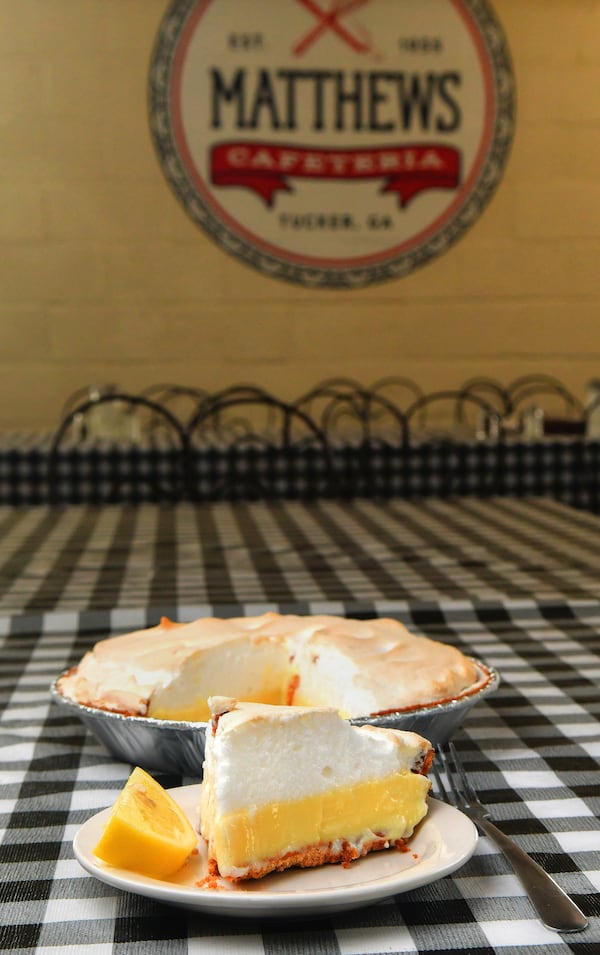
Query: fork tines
<point>456,789</point>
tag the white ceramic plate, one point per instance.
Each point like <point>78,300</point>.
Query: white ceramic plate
<point>443,842</point>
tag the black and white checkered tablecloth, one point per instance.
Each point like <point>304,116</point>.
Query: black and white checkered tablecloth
<point>378,555</point>
<point>533,749</point>
<point>514,582</point>
<point>564,469</point>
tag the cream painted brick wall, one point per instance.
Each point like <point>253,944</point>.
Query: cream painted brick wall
<point>103,277</point>
<point>170,334</point>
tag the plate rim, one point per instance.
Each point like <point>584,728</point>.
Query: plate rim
<point>287,902</point>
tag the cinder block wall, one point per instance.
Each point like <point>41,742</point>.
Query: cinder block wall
<point>103,278</point>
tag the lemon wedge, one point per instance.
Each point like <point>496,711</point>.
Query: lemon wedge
<point>147,831</point>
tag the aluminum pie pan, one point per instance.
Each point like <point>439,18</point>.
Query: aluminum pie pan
<point>177,746</point>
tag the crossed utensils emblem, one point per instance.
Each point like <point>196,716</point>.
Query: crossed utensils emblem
<point>329,19</point>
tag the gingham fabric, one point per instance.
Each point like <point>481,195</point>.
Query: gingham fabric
<point>532,749</point>
<point>565,469</point>
<point>375,554</point>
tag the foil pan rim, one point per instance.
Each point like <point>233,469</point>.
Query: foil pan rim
<point>467,699</point>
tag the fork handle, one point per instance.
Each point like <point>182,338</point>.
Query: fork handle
<point>556,910</point>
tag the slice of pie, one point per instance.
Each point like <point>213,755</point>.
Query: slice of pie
<point>300,786</point>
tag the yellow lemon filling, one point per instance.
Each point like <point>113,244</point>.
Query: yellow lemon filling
<point>147,830</point>
<point>196,712</point>
<point>392,806</point>
<point>162,708</point>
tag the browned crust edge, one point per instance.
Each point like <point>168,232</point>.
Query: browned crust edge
<point>310,857</point>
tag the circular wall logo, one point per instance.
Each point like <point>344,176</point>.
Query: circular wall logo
<point>332,143</point>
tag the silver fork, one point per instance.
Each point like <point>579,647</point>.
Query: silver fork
<point>554,907</point>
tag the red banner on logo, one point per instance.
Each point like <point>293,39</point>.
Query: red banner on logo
<point>266,168</point>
